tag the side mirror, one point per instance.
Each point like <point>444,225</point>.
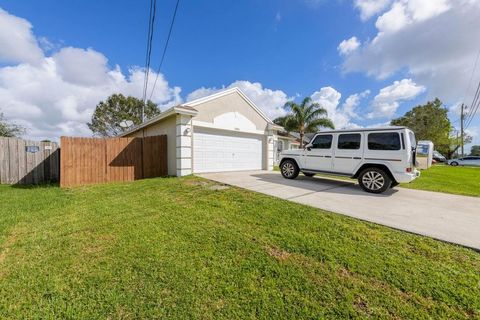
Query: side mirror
<point>309,146</point>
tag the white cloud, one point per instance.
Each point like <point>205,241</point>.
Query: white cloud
<point>352,102</point>
<point>51,106</point>
<point>56,95</point>
<point>395,19</point>
<point>406,12</point>
<point>347,46</point>
<point>202,92</point>
<point>369,8</point>
<point>431,40</point>
<point>387,101</point>
<point>17,42</point>
<point>329,99</point>
<point>71,64</point>
<point>270,101</point>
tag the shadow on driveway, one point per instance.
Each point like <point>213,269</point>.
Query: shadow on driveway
<point>319,184</point>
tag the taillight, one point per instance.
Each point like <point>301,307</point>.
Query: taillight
<point>409,170</point>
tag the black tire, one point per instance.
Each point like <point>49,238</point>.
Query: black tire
<point>307,174</point>
<point>374,180</point>
<point>454,163</point>
<point>289,169</point>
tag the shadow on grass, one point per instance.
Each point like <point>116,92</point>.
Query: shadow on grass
<point>35,186</point>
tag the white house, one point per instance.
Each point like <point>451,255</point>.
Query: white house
<point>286,141</point>
<point>225,131</point>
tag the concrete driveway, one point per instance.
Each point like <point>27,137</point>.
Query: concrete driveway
<point>442,216</point>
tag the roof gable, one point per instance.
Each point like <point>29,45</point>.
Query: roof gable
<point>226,92</point>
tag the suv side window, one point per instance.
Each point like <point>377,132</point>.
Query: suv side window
<point>350,141</point>
<point>384,141</point>
<point>323,141</point>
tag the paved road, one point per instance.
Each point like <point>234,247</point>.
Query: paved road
<point>442,216</point>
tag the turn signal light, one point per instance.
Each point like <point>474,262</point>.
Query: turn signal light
<point>409,169</point>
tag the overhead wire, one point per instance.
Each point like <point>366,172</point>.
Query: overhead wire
<point>165,48</point>
<point>473,107</point>
<point>151,28</point>
<point>472,110</point>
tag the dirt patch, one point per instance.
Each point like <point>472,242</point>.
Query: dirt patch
<point>196,183</point>
<point>277,253</point>
<point>344,273</point>
<point>219,304</point>
<point>7,244</point>
<point>218,187</point>
<point>98,244</point>
<point>360,305</point>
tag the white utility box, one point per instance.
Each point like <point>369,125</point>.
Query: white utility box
<point>424,154</point>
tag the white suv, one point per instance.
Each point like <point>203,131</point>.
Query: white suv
<point>379,158</point>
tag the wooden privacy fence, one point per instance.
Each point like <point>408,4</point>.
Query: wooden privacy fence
<point>92,160</point>
<point>28,162</point>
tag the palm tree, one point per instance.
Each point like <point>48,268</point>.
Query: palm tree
<point>304,118</point>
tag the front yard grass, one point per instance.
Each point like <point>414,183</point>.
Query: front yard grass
<point>448,179</point>
<point>178,248</point>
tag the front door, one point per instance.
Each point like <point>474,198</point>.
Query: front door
<point>348,152</point>
<point>319,156</point>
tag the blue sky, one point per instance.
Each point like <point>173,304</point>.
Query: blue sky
<point>273,50</point>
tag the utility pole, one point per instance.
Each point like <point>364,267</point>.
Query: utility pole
<point>461,127</point>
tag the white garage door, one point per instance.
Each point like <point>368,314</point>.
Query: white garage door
<point>216,151</point>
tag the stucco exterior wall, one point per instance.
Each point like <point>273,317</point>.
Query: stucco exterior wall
<point>166,126</point>
<point>233,102</point>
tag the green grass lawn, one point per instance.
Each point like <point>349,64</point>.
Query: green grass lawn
<point>177,248</point>
<point>442,178</point>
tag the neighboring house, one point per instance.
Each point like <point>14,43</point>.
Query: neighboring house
<point>285,141</point>
<point>225,131</point>
<point>289,141</point>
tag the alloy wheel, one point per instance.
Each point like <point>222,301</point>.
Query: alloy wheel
<point>288,169</point>
<point>373,180</point>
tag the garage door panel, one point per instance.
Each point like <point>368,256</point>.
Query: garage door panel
<point>216,151</point>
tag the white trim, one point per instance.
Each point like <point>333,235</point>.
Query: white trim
<point>292,139</point>
<point>167,113</point>
<point>212,126</point>
<point>196,102</point>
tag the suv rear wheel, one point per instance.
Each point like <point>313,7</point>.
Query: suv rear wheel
<point>289,169</point>
<point>374,180</point>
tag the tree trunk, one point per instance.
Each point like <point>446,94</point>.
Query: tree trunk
<point>301,139</point>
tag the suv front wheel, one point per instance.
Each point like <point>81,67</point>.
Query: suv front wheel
<point>374,180</point>
<point>289,169</point>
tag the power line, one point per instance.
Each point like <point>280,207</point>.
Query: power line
<point>466,119</point>
<point>473,107</point>
<point>474,101</point>
<point>471,75</point>
<point>151,28</point>
<point>165,48</point>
